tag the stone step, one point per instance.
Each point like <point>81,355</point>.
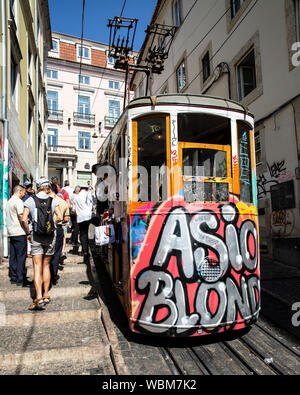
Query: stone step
<point>73,303</point>
<point>78,279</point>
<point>102,366</point>
<point>49,317</point>
<point>67,268</point>
<point>57,292</point>
<point>39,358</point>
<point>52,342</point>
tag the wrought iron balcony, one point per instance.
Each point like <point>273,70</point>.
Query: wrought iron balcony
<point>109,122</point>
<point>82,118</point>
<point>56,115</point>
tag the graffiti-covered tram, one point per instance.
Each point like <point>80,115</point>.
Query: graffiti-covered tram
<point>187,251</point>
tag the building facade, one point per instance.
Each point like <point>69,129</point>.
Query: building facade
<point>85,97</point>
<point>26,39</point>
<point>248,51</point>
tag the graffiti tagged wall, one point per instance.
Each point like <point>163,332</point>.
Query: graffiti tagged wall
<point>195,268</point>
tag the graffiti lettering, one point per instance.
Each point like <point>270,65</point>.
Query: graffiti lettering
<point>164,309</point>
<point>283,222</point>
<point>201,273</point>
<point>276,174</point>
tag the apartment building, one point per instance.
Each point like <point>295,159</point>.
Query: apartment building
<point>85,96</point>
<point>25,41</point>
<point>245,50</point>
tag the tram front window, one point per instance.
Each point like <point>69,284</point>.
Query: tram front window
<point>202,168</point>
<point>204,149</point>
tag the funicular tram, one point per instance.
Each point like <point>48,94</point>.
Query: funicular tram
<point>187,250</point>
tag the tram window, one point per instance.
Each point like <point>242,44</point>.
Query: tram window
<point>204,128</point>
<point>152,151</point>
<point>202,162</point>
<point>245,165</point>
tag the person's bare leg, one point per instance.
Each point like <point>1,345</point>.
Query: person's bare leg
<point>38,274</point>
<point>46,273</point>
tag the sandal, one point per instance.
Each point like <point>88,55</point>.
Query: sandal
<point>37,305</point>
<point>46,299</point>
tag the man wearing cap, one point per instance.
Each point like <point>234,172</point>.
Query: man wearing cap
<point>29,190</point>
<point>42,246</point>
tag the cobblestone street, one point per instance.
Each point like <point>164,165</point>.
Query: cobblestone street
<point>85,332</point>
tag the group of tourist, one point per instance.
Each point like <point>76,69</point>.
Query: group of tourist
<point>37,222</point>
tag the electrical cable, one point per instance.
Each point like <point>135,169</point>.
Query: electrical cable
<point>123,7</point>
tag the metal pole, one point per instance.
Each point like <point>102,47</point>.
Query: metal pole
<point>125,90</point>
<point>5,122</point>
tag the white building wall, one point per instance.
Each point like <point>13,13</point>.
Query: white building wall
<point>268,26</point>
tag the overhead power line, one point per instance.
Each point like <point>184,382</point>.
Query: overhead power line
<point>123,8</point>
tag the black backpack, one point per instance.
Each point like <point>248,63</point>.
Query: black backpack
<point>44,226</point>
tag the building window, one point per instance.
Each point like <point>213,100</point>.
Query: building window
<point>84,104</point>
<point>114,109</point>
<point>297,15</point>
<point>84,79</point>
<point>13,79</point>
<point>52,137</point>
<point>54,46</point>
<point>181,77</point>
<point>177,15</point>
<point>53,74</point>
<point>141,87</point>
<point>30,116</point>
<point>246,75</point>
<point>206,66</point>
<point>114,85</point>
<point>258,148</point>
<point>235,6</point>
<point>83,52</point>
<point>52,100</point>
<point>84,140</point>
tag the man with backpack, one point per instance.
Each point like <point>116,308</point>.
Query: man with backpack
<point>43,236</point>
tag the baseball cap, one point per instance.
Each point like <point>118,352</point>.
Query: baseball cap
<point>27,184</point>
<point>42,182</point>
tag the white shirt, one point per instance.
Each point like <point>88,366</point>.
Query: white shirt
<point>70,192</point>
<point>83,205</point>
<point>14,207</point>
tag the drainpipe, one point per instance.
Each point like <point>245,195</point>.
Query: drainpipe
<point>5,123</point>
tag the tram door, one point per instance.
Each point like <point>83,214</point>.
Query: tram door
<point>205,172</point>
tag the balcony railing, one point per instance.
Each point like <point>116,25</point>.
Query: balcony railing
<point>86,119</point>
<point>56,115</point>
<point>62,149</point>
<point>109,122</point>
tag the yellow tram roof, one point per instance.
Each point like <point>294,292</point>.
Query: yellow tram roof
<point>192,100</point>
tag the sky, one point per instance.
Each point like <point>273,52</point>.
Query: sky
<point>66,17</point>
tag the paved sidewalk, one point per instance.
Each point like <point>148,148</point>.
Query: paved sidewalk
<point>68,337</point>
<point>280,285</point>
